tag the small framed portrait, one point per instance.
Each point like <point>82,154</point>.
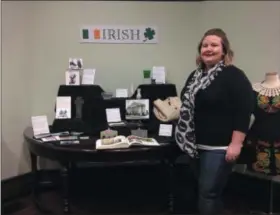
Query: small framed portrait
<point>137,109</point>
<point>72,77</point>
<point>75,63</point>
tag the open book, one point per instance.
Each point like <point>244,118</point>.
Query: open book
<point>124,142</point>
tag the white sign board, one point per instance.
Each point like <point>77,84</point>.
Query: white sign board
<point>119,34</point>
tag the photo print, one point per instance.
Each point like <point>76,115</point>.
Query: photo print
<point>62,114</point>
<point>72,77</point>
<point>75,63</point>
<point>137,109</point>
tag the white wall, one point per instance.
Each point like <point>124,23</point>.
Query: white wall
<point>117,65</point>
<point>16,85</point>
<point>39,37</point>
<point>253,28</point>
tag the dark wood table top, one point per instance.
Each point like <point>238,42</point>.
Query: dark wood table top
<point>86,151</point>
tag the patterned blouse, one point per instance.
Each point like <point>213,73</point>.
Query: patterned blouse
<point>264,135</point>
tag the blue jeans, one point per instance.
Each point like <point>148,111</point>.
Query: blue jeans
<point>213,172</point>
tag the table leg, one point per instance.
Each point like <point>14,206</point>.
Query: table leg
<point>170,167</point>
<point>36,185</point>
<point>65,179</point>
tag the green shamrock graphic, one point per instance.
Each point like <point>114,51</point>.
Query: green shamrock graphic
<point>149,34</point>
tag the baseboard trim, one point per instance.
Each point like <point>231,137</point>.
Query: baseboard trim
<point>21,185</point>
<point>16,186</point>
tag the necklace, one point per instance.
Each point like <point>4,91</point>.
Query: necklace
<point>266,91</point>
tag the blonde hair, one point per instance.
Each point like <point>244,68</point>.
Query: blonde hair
<point>228,53</point>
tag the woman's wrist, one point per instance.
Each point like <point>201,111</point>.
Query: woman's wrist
<point>237,138</point>
<point>236,143</point>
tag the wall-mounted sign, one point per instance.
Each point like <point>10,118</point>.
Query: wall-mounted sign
<point>119,34</point>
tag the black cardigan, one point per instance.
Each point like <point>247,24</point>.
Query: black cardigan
<point>224,106</point>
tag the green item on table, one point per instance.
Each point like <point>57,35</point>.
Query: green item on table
<point>147,73</point>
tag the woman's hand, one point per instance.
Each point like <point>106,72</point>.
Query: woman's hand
<point>233,152</point>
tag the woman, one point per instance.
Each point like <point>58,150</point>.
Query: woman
<point>217,102</point>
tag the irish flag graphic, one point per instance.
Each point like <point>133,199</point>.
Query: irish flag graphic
<point>91,34</point>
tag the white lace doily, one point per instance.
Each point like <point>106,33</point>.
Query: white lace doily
<point>265,91</point>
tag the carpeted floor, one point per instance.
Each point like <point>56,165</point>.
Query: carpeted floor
<point>128,191</point>
<point>54,203</point>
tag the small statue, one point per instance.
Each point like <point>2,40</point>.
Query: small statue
<point>138,96</point>
<point>79,107</point>
<point>108,134</point>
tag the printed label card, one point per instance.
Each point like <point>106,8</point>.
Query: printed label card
<point>165,130</point>
<point>63,107</point>
<point>113,115</point>
<point>88,76</point>
<point>40,125</point>
<point>121,93</point>
<point>159,74</point>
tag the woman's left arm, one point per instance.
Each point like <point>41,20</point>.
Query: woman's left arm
<point>243,100</point>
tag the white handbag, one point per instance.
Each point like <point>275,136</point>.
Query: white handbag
<point>168,109</point>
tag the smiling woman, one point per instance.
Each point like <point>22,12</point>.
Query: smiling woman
<point>213,47</point>
<point>217,102</point>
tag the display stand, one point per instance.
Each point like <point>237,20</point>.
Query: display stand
<point>271,180</point>
<point>140,132</point>
<point>271,200</point>
<point>90,116</point>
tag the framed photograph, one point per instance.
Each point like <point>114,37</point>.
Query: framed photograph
<point>75,63</point>
<point>137,109</point>
<point>72,78</point>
